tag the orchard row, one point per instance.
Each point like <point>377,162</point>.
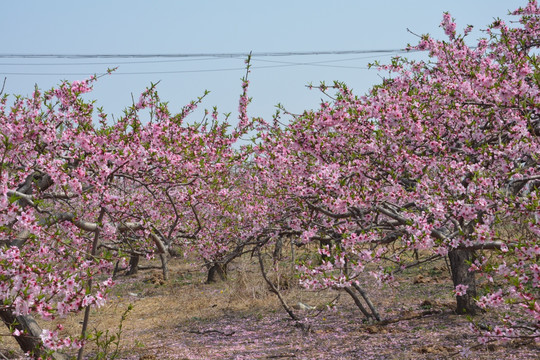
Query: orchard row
<point>441,159</point>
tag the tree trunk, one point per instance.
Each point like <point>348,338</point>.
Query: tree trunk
<point>368,302</point>
<point>133,264</point>
<point>358,302</point>
<point>30,341</point>
<point>216,273</point>
<point>459,264</point>
<point>164,267</point>
<point>278,249</point>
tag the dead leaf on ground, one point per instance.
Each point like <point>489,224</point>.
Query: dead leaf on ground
<point>420,279</point>
<point>374,329</point>
<point>156,279</point>
<point>148,357</point>
<point>432,349</point>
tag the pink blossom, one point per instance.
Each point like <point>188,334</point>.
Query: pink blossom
<point>461,290</point>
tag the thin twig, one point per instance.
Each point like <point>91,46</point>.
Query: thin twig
<point>209,331</point>
<point>275,290</point>
<point>3,85</point>
<point>415,34</point>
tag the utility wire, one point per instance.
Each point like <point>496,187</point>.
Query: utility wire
<point>188,55</point>
<point>116,62</point>
<point>182,71</point>
<point>178,60</point>
<point>282,64</point>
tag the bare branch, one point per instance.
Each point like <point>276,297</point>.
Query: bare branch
<point>3,86</point>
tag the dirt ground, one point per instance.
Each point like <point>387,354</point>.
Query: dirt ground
<point>184,318</point>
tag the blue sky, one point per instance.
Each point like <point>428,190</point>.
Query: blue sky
<point>187,27</point>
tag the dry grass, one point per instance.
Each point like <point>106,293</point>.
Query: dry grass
<point>185,318</point>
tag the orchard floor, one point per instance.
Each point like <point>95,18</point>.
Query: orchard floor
<point>184,318</point>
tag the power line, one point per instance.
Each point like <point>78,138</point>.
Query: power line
<point>177,60</point>
<point>107,63</point>
<point>190,55</point>
<point>326,62</point>
<point>182,71</point>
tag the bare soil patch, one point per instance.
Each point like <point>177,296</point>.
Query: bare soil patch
<point>184,318</point>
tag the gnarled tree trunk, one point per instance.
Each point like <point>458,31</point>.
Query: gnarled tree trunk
<point>217,272</point>
<point>29,341</point>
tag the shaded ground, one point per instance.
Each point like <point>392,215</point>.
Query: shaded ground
<point>274,337</point>
<point>184,318</point>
